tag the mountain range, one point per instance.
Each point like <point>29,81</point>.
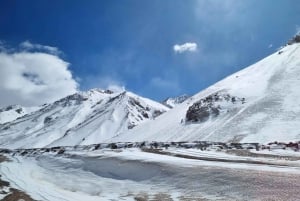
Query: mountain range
<point>257,104</point>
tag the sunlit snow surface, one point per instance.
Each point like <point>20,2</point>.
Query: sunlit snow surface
<point>82,118</point>
<point>271,88</point>
<point>127,174</point>
<point>270,112</point>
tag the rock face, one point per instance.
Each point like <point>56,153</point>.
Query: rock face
<point>295,39</point>
<point>210,107</point>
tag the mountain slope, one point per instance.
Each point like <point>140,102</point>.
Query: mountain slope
<point>82,118</point>
<point>13,112</point>
<point>172,102</point>
<point>257,104</point>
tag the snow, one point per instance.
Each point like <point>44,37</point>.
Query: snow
<point>137,154</point>
<point>278,152</point>
<point>13,112</point>
<point>83,118</point>
<point>57,179</point>
<point>121,175</point>
<point>174,101</point>
<point>270,112</point>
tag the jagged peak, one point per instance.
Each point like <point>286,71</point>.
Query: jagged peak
<point>173,101</point>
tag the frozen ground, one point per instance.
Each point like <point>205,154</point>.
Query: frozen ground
<point>133,174</point>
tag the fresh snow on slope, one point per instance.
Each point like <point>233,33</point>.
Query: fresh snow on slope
<point>257,104</point>
<point>127,174</point>
<point>13,112</point>
<point>174,101</point>
<point>82,118</point>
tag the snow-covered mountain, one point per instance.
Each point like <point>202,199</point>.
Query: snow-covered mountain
<point>13,112</point>
<point>260,103</point>
<point>82,118</point>
<point>171,102</point>
<point>257,104</point>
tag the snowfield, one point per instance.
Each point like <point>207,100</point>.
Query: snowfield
<point>257,104</point>
<point>269,110</point>
<point>236,140</point>
<point>130,174</point>
<point>80,119</point>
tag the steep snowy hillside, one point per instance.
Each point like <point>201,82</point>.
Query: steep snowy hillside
<point>82,118</point>
<point>13,112</point>
<point>257,104</point>
<point>173,101</point>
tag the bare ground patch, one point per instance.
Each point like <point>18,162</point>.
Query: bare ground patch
<point>261,155</point>
<point>203,158</point>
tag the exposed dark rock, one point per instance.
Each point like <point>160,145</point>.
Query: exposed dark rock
<point>107,91</point>
<point>134,102</point>
<point>8,108</point>
<point>145,115</point>
<point>97,146</point>
<point>6,128</point>
<point>19,110</point>
<point>24,153</point>
<point>47,120</point>
<point>131,125</point>
<point>61,151</point>
<point>156,113</point>
<point>295,39</point>
<point>209,106</point>
<point>113,146</point>
<point>74,99</point>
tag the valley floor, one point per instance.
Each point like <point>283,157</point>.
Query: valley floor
<point>152,174</point>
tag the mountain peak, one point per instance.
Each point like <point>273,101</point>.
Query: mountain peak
<point>171,102</point>
<point>256,104</point>
<point>85,117</point>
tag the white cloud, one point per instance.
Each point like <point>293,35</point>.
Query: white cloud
<point>116,88</point>
<point>27,45</point>
<point>186,47</point>
<point>33,78</point>
<point>104,82</point>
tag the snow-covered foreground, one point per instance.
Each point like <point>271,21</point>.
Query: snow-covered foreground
<point>132,174</point>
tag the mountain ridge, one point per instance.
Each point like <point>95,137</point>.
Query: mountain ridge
<point>81,118</point>
<point>268,89</point>
<point>256,104</point>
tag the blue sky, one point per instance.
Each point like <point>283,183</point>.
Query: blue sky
<point>131,43</point>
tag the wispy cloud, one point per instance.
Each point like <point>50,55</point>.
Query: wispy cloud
<point>27,45</point>
<point>33,78</point>
<point>186,47</point>
<point>104,82</point>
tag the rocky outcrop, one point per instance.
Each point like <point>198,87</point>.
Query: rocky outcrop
<point>211,106</point>
<point>295,39</point>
